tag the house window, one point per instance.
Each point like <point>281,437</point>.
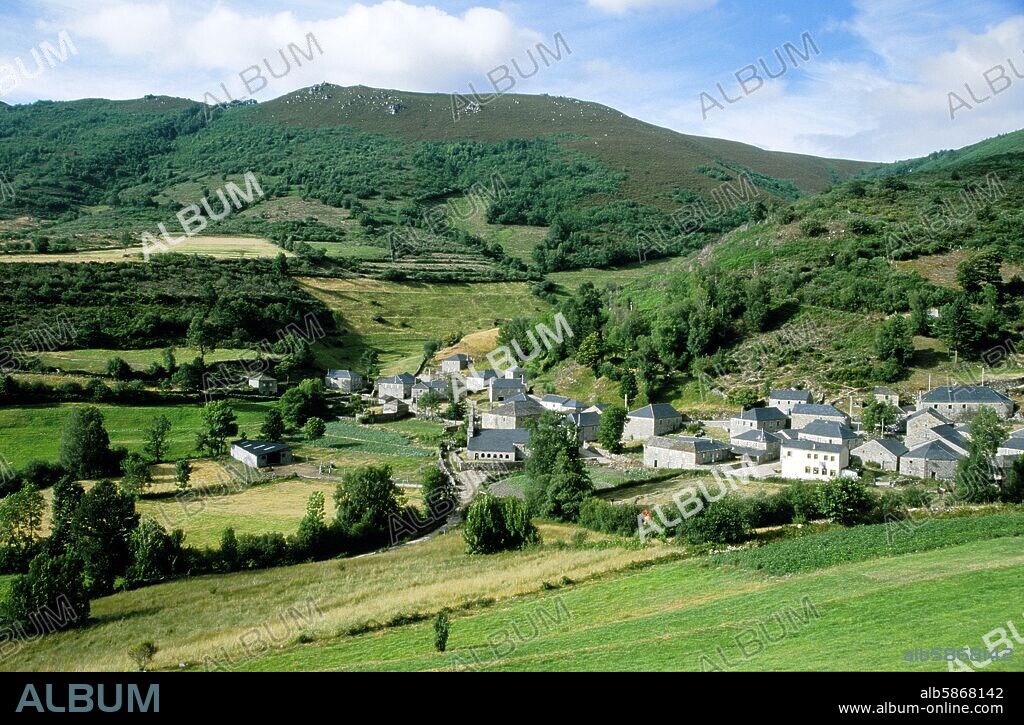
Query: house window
<point>815,456</point>
<point>807,469</point>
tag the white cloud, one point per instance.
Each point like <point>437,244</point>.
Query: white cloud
<point>621,7</point>
<point>898,108</point>
<point>391,44</point>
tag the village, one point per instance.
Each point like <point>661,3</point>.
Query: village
<point>794,436</point>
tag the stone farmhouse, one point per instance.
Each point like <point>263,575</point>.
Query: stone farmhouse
<point>264,383</point>
<point>806,413</point>
<point>455,363</point>
<point>479,380</point>
<point>684,452</point>
<point>885,453</point>
<point>888,396</point>
<point>652,420</point>
<point>511,414</point>
<point>346,381</point>
<point>757,445</point>
<point>770,420</point>
<point>784,400</point>
<point>422,387</point>
<point>587,424</point>
<point>501,389</point>
<point>396,386</point>
<point>962,402</point>
<point>934,460</point>
<point>508,445</point>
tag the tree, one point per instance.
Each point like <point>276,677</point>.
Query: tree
<point>429,402</point>
<point>142,654</point>
<point>628,387</point>
<point>307,399</point>
<point>154,553</point>
<point>201,335</point>
<point>118,369</point>
<point>311,538</point>
<point>189,375</point>
<point>101,527</point>
<point>218,423</point>
<point>894,342</point>
<point>758,303</point>
<point>919,322</point>
<point>182,474</point>
<point>369,364</point>
<point>498,524</point>
<point>957,326</point>
<point>439,493</point>
<point>53,587</point>
<point>136,472</point>
<point>314,429</point>
<point>609,432</point>
<point>67,495</point>
<point>1013,485</point>
<point>156,438</point>
<point>21,522</point>
<point>281,265</point>
<point>366,500</point>
<point>456,409</point>
<point>845,501</point>
<point>978,270</point>
<point>558,481</point>
<point>976,474</point>
<point>442,625</point>
<point>229,550</point>
<point>84,444</point>
<point>588,353</point>
<point>169,363</point>
<point>273,426</point>
<point>745,398</point>
<point>877,414</point>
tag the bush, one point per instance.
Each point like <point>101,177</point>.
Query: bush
<point>804,499</point>
<point>599,515</point>
<point>442,625</point>
<point>498,524</point>
<point>262,551</point>
<point>54,588</point>
<point>720,522</point>
<point>813,228</point>
<point>845,501</point>
<point>764,510</point>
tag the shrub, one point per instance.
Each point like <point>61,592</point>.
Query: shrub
<point>442,625</point>
<point>498,524</point>
<point>720,522</point>
<point>813,228</point>
<point>764,510</point>
<point>54,585</point>
<point>804,499</point>
<point>599,515</point>
<point>262,551</point>
<point>845,501</point>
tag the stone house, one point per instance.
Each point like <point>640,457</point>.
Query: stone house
<point>502,389</point>
<point>652,420</point>
<point>346,381</point>
<point>498,445</point>
<point>888,396</point>
<point>396,386</point>
<point>884,453</point>
<point>455,363</point>
<point>805,413</point>
<point>511,414</point>
<point>757,445</point>
<point>932,460</point>
<point>263,383</point>
<point>684,452</point>
<point>784,400</point>
<point>587,424</point>
<point>770,420</point>
<point>962,402</point>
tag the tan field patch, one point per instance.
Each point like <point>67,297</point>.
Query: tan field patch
<point>218,247</point>
<point>941,268</point>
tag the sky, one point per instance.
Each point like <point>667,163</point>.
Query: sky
<point>862,79</point>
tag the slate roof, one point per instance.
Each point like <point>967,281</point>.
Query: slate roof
<point>964,394</point>
<point>934,451</point>
<point>891,445</point>
<point>1014,443</point>
<point>804,445</point>
<point>508,384</point>
<point>756,436</point>
<point>803,396</point>
<point>457,357</point>
<point>261,448</point>
<point>342,374</point>
<point>687,444</point>
<point>498,441</point>
<point>762,414</point>
<point>431,385</point>
<point>822,411</point>
<point>931,413</point>
<point>584,420</point>
<point>882,390</point>
<point>562,401</point>
<point>402,379</point>
<point>828,429</point>
<point>487,374</point>
<point>518,408</point>
<point>656,411</point>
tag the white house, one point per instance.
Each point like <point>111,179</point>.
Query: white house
<point>813,461</point>
<point>263,383</point>
<point>561,404</point>
<point>259,454</point>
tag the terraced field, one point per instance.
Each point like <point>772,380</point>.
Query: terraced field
<point>213,246</point>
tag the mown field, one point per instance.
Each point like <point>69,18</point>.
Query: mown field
<point>213,246</point>
<point>192,620</point>
<point>95,361</point>
<point>32,432</point>
<point>398,318</point>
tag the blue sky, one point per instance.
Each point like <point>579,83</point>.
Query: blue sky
<point>877,85</point>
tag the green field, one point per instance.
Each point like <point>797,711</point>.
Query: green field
<point>95,361</point>
<point>32,432</point>
<point>411,313</point>
<point>675,617</point>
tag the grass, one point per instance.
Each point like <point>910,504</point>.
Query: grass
<point>398,318</point>
<point>95,360</point>
<point>32,432</point>
<point>840,546</point>
<point>676,616</point>
<point>197,618</point>
<point>214,246</point>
